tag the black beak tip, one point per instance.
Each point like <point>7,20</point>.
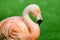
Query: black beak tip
<point>39,21</point>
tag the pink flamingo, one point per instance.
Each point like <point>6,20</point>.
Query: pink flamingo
<point>22,28</point>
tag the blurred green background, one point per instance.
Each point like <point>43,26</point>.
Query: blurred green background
<point>50,27</point>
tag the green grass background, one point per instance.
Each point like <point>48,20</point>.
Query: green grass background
<point>50,27</point>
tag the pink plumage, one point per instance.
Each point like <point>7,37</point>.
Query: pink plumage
<point>21,28</point>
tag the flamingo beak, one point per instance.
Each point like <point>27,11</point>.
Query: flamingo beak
<point>39,20</point>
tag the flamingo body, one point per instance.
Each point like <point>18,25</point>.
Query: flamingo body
<point>21,28</point>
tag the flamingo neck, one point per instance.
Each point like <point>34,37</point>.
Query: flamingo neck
<point>30,24</point>
<point>27,19</point>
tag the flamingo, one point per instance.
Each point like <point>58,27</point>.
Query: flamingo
<point>22,28</point>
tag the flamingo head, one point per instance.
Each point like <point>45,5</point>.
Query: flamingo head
<point>35,10</point>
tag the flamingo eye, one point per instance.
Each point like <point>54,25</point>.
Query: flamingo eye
<point>37,11</point>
